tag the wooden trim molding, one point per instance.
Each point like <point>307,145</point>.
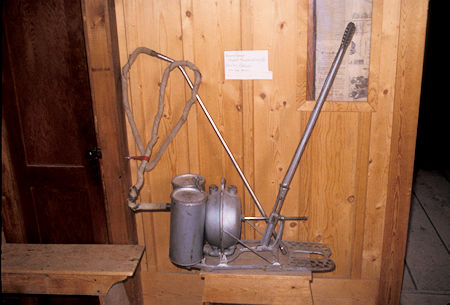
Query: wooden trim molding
<point>413,17</point>
<point>104,72</point>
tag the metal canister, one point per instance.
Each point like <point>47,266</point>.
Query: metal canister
<point>223,216</point>
<point>189,180</point>
<point>187,222</point>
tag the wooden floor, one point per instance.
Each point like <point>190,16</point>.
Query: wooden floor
<point>427,269</point>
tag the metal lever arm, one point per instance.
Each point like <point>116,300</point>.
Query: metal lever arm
<point>284,186</point>
<point>216,130</point>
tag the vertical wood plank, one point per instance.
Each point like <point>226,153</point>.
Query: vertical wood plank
<point>129,40</point>
<point>217,28</point>
<point>359,204</point>
<point>276,120</point>
<point>187,25</point>
<point>407,95</point>
<point>304,10</point>
<point>380,138</point>
<point>333,162</point>
<point>104,71</point>
<point>311,62</point>
<point>101,46</point>
<point>121,13</point>
<point>247,119</point>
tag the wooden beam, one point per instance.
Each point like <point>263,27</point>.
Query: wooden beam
<point>329,291</point>
<point>413,16</point>
<point>257,287</point>
<point>104,71</point>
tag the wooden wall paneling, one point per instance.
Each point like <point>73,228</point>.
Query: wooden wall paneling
<point>132,149</point>
<point>101,46</point>
<point>162,32</point>
<point>358,200</point>
<point>276,123</point>
<point>375,54</point>
<point>305,189</point>
<point>143,92</point>
<point>104,71</point>
<point>380,138</point>
<point>217,28</point>
<point>305,9</point>
<point>127,14</point>
<point>249,207</point>
<point>187,29</point>
<point>348,169</point>
<point>333,169</point>
<point>284,66</point>
<point>413,16</point>
<point>310,49</point>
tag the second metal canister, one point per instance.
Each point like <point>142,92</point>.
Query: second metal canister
<point>187,222</point>
<point>189,180</point>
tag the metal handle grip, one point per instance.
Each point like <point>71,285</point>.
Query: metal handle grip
<point>348,34</point>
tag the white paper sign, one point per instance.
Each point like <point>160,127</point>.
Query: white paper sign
<point>247,64</point>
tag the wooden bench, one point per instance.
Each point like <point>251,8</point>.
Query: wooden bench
<point>257,287</point>
<point>96,270</point>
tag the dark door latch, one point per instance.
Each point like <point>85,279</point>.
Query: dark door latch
<point>94,154</point>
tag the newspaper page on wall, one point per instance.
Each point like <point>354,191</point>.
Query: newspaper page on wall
<point>351,83</point>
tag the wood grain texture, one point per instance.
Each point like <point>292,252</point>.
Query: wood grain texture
<point>169,288</point>
<point>159,289</point>
<point>276,123</point>
<point>104,74</point>
<point>50,125</point>
<point>385,21</point>
<point>66,269</point>
<point>71,259</point>
<point>404,127</point>
<point>344,291</point>
<point>57,284</point>
<point>12,220</point>
<point>244,287</point>
<point>342,182</point>
<point>115,296</point>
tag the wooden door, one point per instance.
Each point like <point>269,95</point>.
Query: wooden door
<point>49,125</point>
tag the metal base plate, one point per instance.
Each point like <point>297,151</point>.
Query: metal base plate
<point>301,256</point>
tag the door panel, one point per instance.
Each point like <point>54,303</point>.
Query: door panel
<point>56,192</point>
<point>48,115</point>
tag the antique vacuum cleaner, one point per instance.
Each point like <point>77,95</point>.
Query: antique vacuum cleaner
<point>205,227</point>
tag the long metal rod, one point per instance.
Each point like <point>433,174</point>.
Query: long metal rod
<point>284,186</point>
<point>219,135</point>
<point>248,247</point>
<point>320,101</point>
